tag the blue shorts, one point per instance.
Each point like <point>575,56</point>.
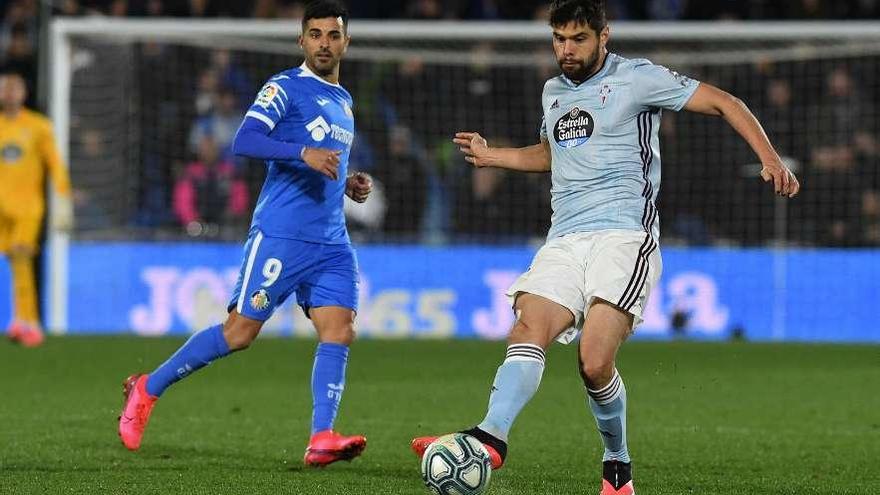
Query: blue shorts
<point>273,268</point>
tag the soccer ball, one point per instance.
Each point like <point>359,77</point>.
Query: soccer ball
<point>456,464</point>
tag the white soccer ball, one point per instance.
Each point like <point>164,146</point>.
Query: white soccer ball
<point>456,464</point>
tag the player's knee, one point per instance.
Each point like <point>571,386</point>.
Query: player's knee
<point>596,372</point>
<point>239,333</point>
<point>344,334</point>
<point>238,338</point>
<point>525,331</point>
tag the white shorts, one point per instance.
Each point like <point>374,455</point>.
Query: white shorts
<point>619,266</point>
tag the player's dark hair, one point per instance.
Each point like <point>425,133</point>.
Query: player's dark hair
<point>588,12</point>
<point>319,9</point>
<point>11,71</point>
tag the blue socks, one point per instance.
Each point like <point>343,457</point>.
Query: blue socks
<point>515,383</point>
<point>328,382</point>
<point>609,407</point>
<point>328,374</point>
<point>196,353</point>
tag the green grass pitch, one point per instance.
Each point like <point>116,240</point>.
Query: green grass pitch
<point>703,419</point>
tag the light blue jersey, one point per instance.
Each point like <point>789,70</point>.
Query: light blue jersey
<point>603,136</point>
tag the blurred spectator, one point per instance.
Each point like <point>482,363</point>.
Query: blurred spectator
<point>207,92</point>
<point>20,57</point>
<point>485,207</point>
<point>404,180</point>
<point>717,9</point>
<point>425,9</point>
<point>20,13</point>
<point>230,75</point>
<point>541,12</point>
<point>220,124</point>
<point>661,10</point>
<point>831,211</point>
<point>871,218</point>
<point>208,192</point>
<point>157,8</point>
<point>781,117</point>
<point>415,87</point>
<point>495,205</point>
<point>100,187</point>
<point>291,9</point>
<point>489,91</point>
<point>221,8</point>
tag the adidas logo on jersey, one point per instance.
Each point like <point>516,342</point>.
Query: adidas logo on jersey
<point>555,105</point>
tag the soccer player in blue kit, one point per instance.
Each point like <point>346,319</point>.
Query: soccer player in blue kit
<point>600,142</point>
<point>302,125</point>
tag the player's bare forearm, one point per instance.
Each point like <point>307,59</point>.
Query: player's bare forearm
<point>710,100</point>
<point>535,158</point>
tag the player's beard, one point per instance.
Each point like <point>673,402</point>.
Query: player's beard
<point>582,69</point>
<point>326,65</point>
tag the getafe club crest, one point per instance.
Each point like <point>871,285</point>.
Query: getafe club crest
<point>574,128</point>
<point>260,300</point>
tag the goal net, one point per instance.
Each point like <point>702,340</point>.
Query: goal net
<point>141,104</point>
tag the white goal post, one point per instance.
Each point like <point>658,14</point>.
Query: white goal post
<point>768,39</point>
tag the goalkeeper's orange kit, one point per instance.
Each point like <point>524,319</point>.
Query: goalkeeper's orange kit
<point>27,153</point>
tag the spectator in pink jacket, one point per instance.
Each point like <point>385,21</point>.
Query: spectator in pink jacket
<point>208,194</point>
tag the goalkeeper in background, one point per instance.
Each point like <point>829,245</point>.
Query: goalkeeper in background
<point>27,152</point>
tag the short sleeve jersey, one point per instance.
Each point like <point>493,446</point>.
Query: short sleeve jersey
<point>603,136</point>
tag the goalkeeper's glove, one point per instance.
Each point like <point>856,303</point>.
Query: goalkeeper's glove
<point>62,213</point>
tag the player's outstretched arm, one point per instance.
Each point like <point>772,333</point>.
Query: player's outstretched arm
<point>710,100</point>
<point>253,141</point>
<point>535,158</point>
<point>62,216</point>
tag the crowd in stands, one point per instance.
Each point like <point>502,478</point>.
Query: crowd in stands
<point>827,125</point>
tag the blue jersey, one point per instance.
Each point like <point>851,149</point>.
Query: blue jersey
<point>297,202</point>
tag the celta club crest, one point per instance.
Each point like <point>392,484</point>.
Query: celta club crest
<point>604,91</point>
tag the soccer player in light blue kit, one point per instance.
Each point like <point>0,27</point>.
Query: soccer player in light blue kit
<point>302,125</point>
<point>599,140</point>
